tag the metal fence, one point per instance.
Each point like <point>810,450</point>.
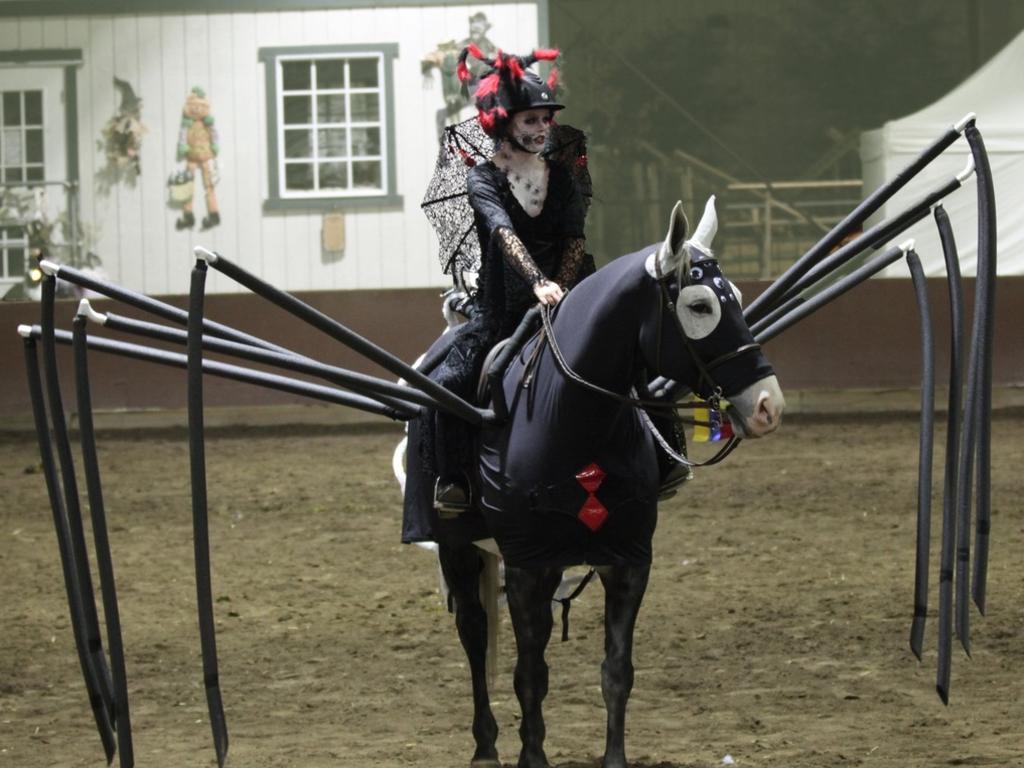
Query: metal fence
<point>763,226</point>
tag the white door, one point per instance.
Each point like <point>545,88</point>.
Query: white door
<point>33,161</point>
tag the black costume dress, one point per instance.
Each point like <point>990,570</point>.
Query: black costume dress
<point>504,294</point>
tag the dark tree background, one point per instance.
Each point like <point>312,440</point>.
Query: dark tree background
<point>761,89</point>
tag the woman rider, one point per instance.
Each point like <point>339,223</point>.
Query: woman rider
<point>529,216</point>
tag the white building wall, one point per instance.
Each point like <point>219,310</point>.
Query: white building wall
<point>164,56</point>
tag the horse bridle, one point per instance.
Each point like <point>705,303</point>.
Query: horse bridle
<point>703,369</point>
<point>712,403</point>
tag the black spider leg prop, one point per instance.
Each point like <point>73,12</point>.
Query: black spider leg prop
<point>227,371</point>
<point>104,561</point>
<point>388,393</point>
<point>444,400</point>
<point>788,299</point>
<point>72,506</point>
<point>769,298</point>
<point>924,466</point>
<point>67,558</point>
<point>838,288</point>
<point>949,485</point>
<point>151,305</point>
<point>878,235</point>
<point>200,522</point>
<point>785,308</point>
<point>984,303</point>
<point>975,443</point>
<point>216,330</point>
<point>179,316</point>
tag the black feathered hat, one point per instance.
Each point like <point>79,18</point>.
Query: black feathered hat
<point>509,86</point>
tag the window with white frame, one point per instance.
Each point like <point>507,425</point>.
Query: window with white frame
<point>330,125</point>
<point>21,160</point>
<point>21,140</point>
<point>13,247</point>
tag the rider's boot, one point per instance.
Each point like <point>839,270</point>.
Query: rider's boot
<point>451,496</point>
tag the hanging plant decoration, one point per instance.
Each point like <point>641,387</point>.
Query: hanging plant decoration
<point>122,140</point>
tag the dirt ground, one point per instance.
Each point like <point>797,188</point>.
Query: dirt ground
<point>774,630</point>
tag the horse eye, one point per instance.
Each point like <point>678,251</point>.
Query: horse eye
<point>700,308</point>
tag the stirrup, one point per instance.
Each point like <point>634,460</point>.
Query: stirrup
<point>451,498</point>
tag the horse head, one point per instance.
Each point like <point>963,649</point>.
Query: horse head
<point>708,345</point>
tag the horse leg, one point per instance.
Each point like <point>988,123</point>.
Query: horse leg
<point>624,588</point>
<point>529,595</point>
<point>462,566</point>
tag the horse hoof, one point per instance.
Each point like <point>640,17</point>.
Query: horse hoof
<point>533,761</point>
<point>485,762</point>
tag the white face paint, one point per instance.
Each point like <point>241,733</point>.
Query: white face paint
<point>530,128</point>
<point>699,311</point>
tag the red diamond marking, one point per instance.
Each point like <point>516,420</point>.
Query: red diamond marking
<point>593,513</point>
<point>590,477</point>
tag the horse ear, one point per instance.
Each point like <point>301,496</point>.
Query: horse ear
<point>672,251</point>
<point>700,244</point>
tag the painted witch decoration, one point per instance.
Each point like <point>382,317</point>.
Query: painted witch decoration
<point>198,147</point>
<point>122,140</point>
<point>445,58</point>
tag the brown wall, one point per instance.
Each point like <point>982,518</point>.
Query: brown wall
<point>869,338</point>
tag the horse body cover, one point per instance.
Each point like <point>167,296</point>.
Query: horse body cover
<point>572,477</point>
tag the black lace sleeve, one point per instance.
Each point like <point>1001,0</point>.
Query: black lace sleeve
<point>517,256</point>
<point>572,259</point>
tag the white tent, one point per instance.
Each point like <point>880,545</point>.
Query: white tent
<point>995,93</point>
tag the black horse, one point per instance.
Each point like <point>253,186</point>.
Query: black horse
<point>571,476</point>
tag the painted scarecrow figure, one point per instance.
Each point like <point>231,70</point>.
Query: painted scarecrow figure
<point>197,146</point>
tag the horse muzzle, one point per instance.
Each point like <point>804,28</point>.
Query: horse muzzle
<point>757,410</point>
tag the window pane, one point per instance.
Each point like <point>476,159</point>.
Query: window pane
<point>362,73</point>
<point>34,145</point>
<point>34,173</point>
<point>298,109</point>
<point>365,107</point>
<point>298,143</point>
<point>366,141</point>
<point>330,74</point>
<point>15,262</point>
<point>331,142</point>
<point>12,108</point>
<point>298,176</point>
<point>333,176</point>
<point>33,107</point>
<point>13,149</point>
<point>13,174</point>
<point>295,75</point>
<point>366,174</point>
<point>330,109</point>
